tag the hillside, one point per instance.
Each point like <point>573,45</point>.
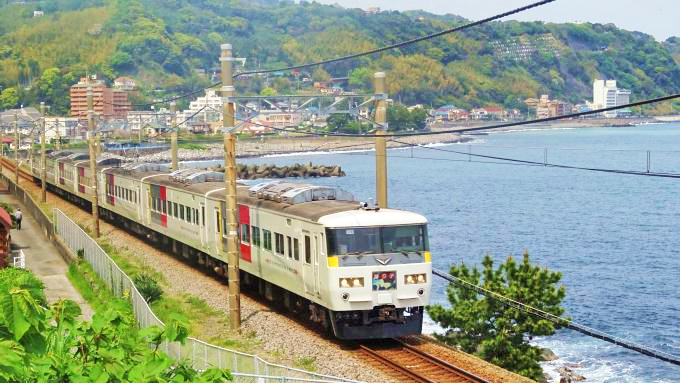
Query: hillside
<point>167,44</point>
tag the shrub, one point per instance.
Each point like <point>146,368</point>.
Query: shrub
<point>148,286</point>
<point>19,278</point>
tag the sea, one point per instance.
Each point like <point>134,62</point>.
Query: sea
<point>614,237</point>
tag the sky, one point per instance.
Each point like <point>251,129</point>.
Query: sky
<point>659,18</point>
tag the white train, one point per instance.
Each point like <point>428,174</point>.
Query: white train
<point>359,272</point>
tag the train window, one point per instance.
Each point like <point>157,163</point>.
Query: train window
<point>278,243</point>
<point>134,196</point>
<point>245,233</point>
<point>203,215</point>
<point>181,211</point>
<point>196,216</point>
<point>296,249</point>
<point>290,248</point>
<point>153,204</point>
<point>164,205</point>
<point>175,211</point>
<point>217,221</point>
<point>308,249</point>
<point>256,235</point>
<point>127,194</point>
<point>267,239</point>
<point>188,214</point>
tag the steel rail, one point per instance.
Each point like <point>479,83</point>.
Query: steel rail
<point>430,359</point>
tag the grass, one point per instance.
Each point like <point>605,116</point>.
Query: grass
<point>204,322</point>
<point>191,146</point>
<point>307,363</point>
<point>90,286</point>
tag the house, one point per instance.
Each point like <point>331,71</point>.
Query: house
<point>494,112</point>
<point>124,83</point>
<point>38,13</point>
<point>449,113</point>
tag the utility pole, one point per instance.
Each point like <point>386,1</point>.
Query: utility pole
<point>93,159</point>
<point>173,137</point>
<point>230,179</point>
<point>16,149</point>
<point>380,147</point>
<point>43,157</point>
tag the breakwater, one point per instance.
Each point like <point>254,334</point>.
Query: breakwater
<point>251,172</point>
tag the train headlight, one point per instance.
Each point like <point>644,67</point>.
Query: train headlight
<point>411,279</point>
<point>351,282</point>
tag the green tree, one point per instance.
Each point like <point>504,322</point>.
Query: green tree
<point>361,79</point>
<point>498,333</point>
<point>9,98</point>
<point>52,345</point>
<point>400,118</point>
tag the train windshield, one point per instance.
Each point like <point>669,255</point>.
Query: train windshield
<point>377,240</point>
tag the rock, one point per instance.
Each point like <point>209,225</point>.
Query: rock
<point>567,375</point>
<point>548,355</point>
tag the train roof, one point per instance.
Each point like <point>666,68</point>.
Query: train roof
<point>329,206</point>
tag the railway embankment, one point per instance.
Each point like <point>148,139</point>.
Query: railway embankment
<point>204,300</point>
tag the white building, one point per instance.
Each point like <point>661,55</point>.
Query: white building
<point>63,127</point>
<point>139,119</point>
<point>606,95</point>
<point>211,104</point>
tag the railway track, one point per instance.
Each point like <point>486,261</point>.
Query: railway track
<point>10,165</point>
<point>409,364</point>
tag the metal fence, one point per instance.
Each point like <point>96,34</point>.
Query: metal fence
<point>245,367</point>
<point>18,259</point>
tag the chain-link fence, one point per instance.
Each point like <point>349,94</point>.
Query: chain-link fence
<point>246,367</point>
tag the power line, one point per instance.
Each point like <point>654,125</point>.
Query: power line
<point>645,350</point>
<point>547,164</point>
<point>506,125</point>
<point>403,43</point>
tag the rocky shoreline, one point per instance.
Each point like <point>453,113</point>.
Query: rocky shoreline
<point>256,147</point>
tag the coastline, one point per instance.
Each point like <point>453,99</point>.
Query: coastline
<point>294,145</point>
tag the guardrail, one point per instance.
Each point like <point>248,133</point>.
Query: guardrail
<point>245,367</point>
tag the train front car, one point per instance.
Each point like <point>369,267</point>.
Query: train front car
<point>379,272</point>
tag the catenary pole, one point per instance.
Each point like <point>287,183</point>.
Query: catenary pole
<point>173,137</point>
<point>16,149</point>
<point>93,159</point>
<point>43,157</point>
<point>380,147</point>
<point>228,92</point>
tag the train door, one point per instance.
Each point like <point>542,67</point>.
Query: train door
<point>318,255</point>
<point>308,276</point>
<point>244,229</point>
<point>201,224</point>
<point>218,230</point>
<point>81,179</point>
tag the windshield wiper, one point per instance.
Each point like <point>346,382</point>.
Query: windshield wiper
<point>357,253</point>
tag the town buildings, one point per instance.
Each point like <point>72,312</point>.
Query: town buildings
<point>63,127</point>
<point>606,94</point>
<point>204,109</point>
<point>124,83</point>
<point>107,103</point>
<point>544,107</point>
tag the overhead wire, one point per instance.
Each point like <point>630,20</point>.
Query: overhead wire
<point>355,55</point>
<point>401,44</point>
<point>564,322</point>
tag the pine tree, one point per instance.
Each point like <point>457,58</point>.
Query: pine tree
<point>487,327</point>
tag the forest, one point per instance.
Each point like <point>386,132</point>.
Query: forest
<point>172,46</point>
